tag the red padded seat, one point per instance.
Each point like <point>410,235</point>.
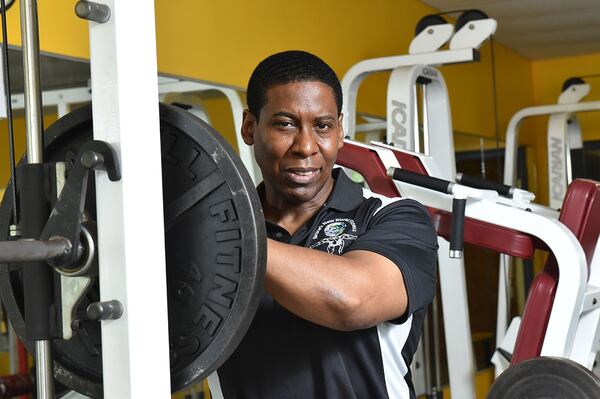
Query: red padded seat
<point>581,214</point>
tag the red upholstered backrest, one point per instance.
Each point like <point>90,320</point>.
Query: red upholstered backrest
<point>487,235</point>
<point>581,214</point>
<point>367,163</point>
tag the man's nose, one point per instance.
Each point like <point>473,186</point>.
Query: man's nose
<point>305,143</point>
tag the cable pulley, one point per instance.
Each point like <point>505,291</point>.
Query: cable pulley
<point>468,16</point>
<point>427,21</point>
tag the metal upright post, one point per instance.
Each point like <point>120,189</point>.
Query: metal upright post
<point>130,212</point>
<point>37,275</point>
<point>31,72</point>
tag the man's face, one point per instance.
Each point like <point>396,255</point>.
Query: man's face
<point>296,140</point>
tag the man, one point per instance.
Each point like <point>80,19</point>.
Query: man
<point>349,273</point>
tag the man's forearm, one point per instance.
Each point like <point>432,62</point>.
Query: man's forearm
<point>339,292</point>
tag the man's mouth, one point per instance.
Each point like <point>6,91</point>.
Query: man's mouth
<point>301,175</point>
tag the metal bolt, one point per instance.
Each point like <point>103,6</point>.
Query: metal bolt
<point>92,11</point>
<point>471,26</point>
<point>91,159</point>
<point>76,324</point>
<point>430,31</point>
<point>109,310</point>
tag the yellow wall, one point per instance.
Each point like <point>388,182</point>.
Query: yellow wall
<point>343,35</point>
<point>470,87</point>
<point>549,75</point>
<point>61,32</point>
<point>223,41</point>
<point>19,129</point>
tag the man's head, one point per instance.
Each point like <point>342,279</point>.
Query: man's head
<point>289,67</point>
<point>294,122</point>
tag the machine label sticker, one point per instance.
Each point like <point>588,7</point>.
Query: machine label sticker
<point>399,119</point>
<point>557,178</point>
<point>430,72</point>
<point>336,234</point>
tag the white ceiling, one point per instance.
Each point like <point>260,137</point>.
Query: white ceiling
<point>539,29</point>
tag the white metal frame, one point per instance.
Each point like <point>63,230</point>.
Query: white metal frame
<point>564,133</point>
<point>423,50</point>
<point>510,214</point>
<point>402,119</point>
<point>359,72</point>
<point>171,85</point>
<point>132,263</point>
<point>62,99</point>
<point>512,131</point>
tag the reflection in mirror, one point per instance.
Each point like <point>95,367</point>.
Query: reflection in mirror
<point>66,85</point>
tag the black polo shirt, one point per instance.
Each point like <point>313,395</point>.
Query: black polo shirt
<point>284,356</point>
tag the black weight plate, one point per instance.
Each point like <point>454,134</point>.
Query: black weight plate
<point>77,362</point>
<point>215,249</point>
<point>546,378</point>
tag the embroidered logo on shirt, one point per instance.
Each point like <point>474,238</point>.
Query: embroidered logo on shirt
<point>337,233</point>
<point>334,229</point>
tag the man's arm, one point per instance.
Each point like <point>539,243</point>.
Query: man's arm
<point>356,290</point>
<point>387,273</point>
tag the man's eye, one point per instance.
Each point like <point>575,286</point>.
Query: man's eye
<point>323,126</point>
<point>284,124</point>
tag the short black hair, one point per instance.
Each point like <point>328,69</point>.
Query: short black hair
<point>289,67</point>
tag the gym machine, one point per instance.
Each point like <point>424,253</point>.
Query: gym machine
<point>98,265</point>
<point>491,219</point>
<point>565,160</point>
<point>410,74</point>
<point>473,28</point>
<point>454,299</point>
<point>564,137</point>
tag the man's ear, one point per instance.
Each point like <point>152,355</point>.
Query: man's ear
<point>248,127</point>
<point>342,134</point>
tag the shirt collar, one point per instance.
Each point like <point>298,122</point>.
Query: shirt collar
<point>346,194</point>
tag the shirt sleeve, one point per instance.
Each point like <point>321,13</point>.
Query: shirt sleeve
<point>404,233</point>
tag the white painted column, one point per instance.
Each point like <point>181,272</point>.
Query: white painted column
<point>135,348</point>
